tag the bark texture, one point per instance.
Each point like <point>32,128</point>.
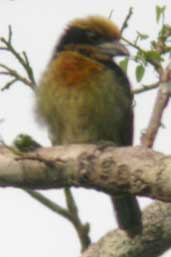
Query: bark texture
<point>155,240</point>
<point>138,170</point>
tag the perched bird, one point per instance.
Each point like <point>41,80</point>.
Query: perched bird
<point>85,97</point>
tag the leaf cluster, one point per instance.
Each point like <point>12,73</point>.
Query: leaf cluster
<point>157,52</point>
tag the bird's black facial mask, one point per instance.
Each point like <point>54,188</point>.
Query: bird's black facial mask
<point>78,36</point>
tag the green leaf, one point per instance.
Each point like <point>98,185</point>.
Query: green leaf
<point>124,64</point>
<point>153,56</point>
<point>139,72</point>
<point>160,11</point>
<point>25,143</point>
<point>140,57</point>
<point>142,36</point>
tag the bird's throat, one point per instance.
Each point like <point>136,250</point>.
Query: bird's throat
<point>74,68</point>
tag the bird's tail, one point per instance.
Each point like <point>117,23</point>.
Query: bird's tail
<point>128,214</point>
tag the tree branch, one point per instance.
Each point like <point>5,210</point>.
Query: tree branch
<point>82,229</point>
<point>137,170</point>
<point>15,74</point>
<point>49,204</point>
<point>148,137</point>
<point>154,241</point>
<point>127,18</point>
<point>161,102</point>
<point>21,58</point>
<point>145,88</point>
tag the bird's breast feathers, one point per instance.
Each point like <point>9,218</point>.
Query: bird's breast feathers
<point>82,100</point>
<point>71,69</point>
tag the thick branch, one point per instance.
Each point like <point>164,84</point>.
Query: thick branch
<point>155,240</point>
<point>138,170</point>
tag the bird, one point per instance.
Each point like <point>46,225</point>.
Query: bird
<point>84,97</point>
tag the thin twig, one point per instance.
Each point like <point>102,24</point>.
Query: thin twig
<point>82,229</point>
<point>71,204</point>
<point>68,214</point>
<point>15,74</point>
<point>132,44</point>
<point>50,204</point>
<point>125,23</point>
<point>23,60</point>
<point>145,88</point>
<point>110,14</point>
<point>9,34</point>
<point>9,84</point>
<point>29,68</point>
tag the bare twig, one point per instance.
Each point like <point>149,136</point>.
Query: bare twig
<point>110,14</point>
<point>10,34</point>
<point>69,213</point>
<point>162,99</point>
<point>23,60</point>
<point>125,23</point>
<point>71,204</point>
<point>8,84</point>
<point>29,68</point>
<point>13,73</point>
<point>82,229</point>
<point>132,44</point>
<point>145,88</point>
<point>50,204</point>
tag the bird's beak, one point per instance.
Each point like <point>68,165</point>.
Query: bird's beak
<point>113,48</point>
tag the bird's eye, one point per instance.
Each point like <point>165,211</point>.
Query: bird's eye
<point>92,35</point>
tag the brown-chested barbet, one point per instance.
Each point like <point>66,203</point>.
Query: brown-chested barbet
<point>85,97</point>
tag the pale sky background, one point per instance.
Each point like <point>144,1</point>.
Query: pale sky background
<point>26,227</point>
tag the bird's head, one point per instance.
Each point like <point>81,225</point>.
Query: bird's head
<point>93,36</point>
